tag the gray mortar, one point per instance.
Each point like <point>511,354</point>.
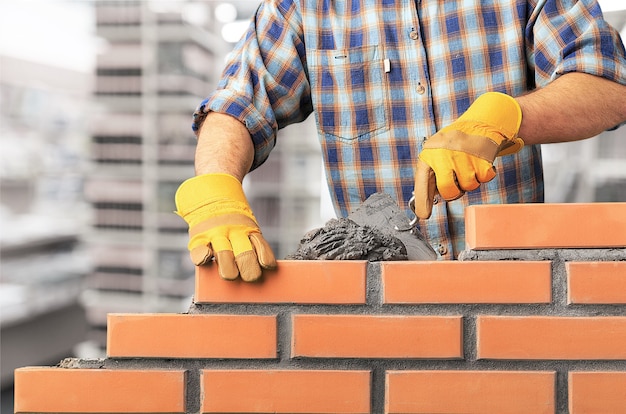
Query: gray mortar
<point>343,239</point>
<point>377,230</point>
<point>565,255</point>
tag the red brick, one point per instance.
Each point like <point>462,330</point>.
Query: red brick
<point>250,391</point>
<point>544,337</point>
<point>596,282</point>
<point>368,336</point>
<point>485,392</point>
<point>59,390</point>
<point>467,282</point>
<point>191,336</point>
<point>597,393</point>
<point>543,226</point>
<point>294,281</point>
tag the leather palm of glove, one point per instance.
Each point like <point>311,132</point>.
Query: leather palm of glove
<point>222,225</point>
<point>460,156</point>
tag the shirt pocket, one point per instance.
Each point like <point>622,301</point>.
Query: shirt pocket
<point>349,92</point>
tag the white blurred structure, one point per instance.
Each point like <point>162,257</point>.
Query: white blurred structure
<point>154,68</point>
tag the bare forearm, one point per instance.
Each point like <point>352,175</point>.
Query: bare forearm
<point>224,146</point>
<point>574,107</point>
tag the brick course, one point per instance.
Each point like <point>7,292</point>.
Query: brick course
<point>546,226</point>
<point>56,390</point>
<point>376,336</point>
<point>191,336</point>
<point>291,282</point>
<point>465,282</point>
<point>597,392</point>
<point>549,337</point>
<point>596,282</point>
<point>285,391</point>
<point>511,328</point>
<point>486,392</point>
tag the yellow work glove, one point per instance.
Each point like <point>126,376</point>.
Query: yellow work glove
<point>460,156</point>
<point>221,225</point>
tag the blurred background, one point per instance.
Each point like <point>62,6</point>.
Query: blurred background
<point>96,100</point>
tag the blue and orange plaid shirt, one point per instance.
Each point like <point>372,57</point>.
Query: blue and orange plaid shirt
<point>383,75</point>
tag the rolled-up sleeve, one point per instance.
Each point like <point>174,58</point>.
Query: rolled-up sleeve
<point>572,36</point>
<point>264,83</point>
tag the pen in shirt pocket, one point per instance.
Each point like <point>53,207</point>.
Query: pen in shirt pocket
<point>387,65</point>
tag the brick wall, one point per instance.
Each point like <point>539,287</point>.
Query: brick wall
<point>532,319</point>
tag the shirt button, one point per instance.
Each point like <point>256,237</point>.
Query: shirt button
<point>442,249</point>
<point>421,89</point>
<point>414,35</point>
<point>436,200</point>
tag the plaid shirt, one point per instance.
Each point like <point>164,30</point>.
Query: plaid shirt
<point>382,75</point>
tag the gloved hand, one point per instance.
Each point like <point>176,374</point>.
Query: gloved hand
<point>221,225</point>
<point>460,156</point>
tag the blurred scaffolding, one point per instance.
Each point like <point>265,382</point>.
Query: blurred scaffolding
<point>91,159</point>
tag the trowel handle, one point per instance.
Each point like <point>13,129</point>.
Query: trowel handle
<point>415,220</point>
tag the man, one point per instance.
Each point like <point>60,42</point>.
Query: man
<point>444,99</point>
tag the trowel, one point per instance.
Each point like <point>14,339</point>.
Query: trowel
<point>381,212</point>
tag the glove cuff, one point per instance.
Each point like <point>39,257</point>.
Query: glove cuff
<point>499,116</point>
<point>201,192</point>
<point>497,110</point>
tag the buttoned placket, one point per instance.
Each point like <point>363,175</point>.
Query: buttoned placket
<point>423,98</point>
